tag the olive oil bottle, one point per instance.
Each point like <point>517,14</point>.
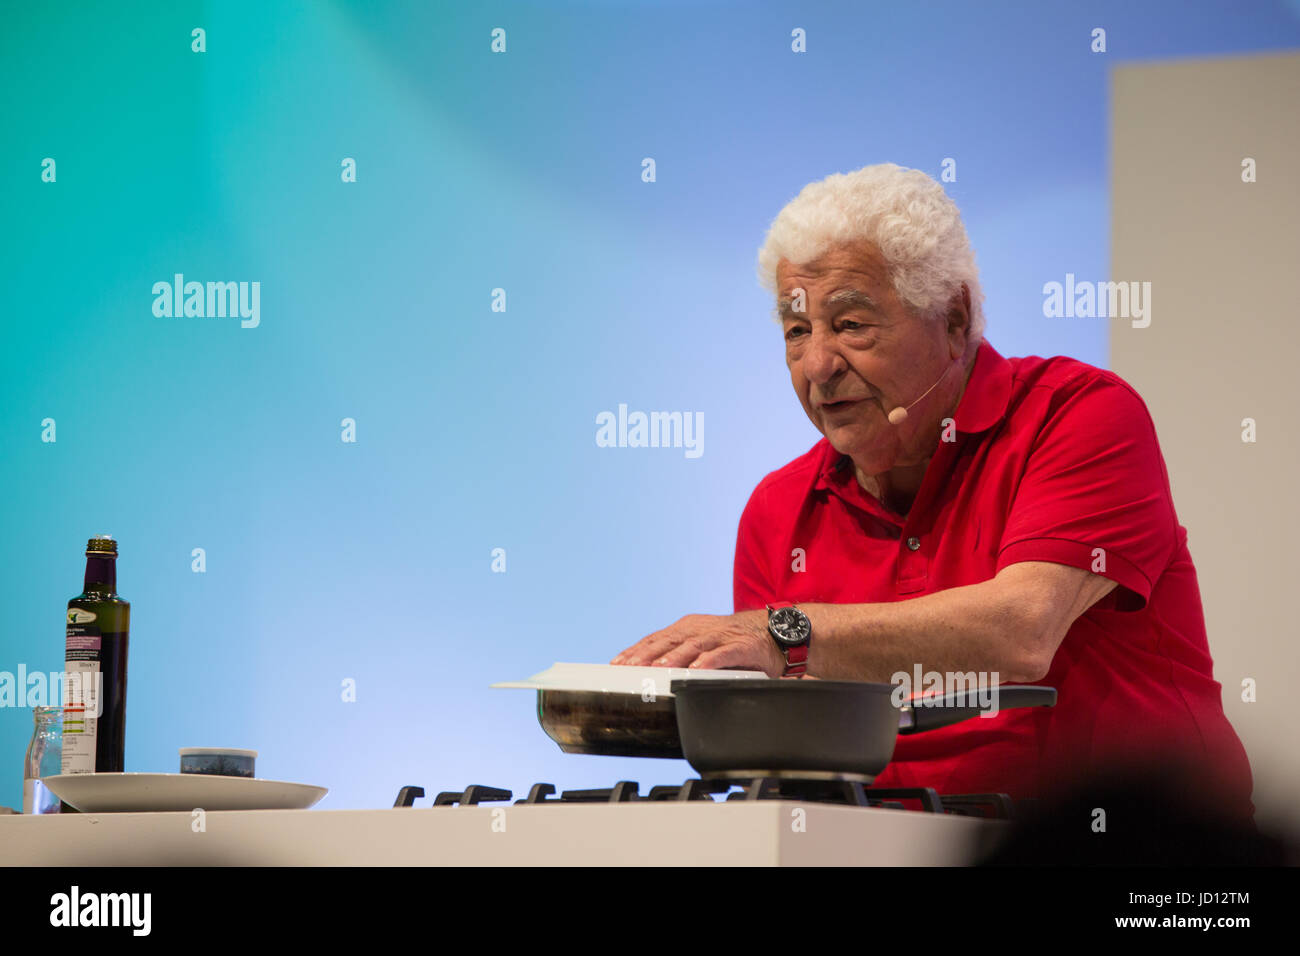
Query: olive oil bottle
<point>94,683</point>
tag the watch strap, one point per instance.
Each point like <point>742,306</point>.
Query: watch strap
<point>796,661</point>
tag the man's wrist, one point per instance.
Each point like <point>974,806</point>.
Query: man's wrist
<point>777,666</point>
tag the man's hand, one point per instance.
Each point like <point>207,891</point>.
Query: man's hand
<point>739,641</point>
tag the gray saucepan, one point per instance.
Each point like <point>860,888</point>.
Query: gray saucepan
<point>812,728</point>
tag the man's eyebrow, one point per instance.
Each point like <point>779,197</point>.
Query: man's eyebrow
<point>844,298</point>
<point>852,297</point>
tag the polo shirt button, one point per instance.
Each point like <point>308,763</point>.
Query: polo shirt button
<point>913,544</point>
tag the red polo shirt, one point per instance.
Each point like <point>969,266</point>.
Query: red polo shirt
<point>1052,460</point>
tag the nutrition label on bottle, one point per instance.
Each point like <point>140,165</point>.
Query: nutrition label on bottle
<point>82,696</point>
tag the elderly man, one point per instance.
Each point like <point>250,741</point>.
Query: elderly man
<point>964,512</point>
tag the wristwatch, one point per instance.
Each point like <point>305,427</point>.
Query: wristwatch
<point>792,631</point>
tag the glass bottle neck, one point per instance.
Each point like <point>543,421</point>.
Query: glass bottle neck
<point>101,574</point>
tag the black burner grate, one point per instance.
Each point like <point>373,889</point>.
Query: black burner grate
<point>842,792</point>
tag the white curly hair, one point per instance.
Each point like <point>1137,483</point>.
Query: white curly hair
<point>904,213</point>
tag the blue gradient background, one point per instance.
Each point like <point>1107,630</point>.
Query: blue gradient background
<point>476,429</point>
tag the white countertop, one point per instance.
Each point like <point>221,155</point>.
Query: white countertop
<point>668,833</point>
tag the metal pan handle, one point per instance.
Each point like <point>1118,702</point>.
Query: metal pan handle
<point>953,709</point>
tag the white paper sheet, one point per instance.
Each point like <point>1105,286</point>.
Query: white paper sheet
<point>616,678</point>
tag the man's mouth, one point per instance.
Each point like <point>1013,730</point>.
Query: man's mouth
<point>841,405</point>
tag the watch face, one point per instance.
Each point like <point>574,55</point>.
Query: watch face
<point>789,625</point>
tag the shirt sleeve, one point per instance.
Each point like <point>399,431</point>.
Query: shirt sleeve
<point>1095,493</point>
<point>751,585</point>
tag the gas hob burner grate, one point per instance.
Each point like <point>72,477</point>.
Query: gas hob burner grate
<point>828,790</point>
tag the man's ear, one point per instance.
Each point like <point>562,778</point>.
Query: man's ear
<point>958,317</point>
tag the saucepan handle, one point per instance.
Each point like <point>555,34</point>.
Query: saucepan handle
<point>916,719</point>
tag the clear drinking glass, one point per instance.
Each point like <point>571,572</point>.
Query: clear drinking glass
<point>44,759</point>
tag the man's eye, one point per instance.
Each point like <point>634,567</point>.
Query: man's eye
<point>793,332</point>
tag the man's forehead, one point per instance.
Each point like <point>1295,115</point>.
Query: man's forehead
<point>844,266</point>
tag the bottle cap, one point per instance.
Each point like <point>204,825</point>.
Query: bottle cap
<point>101,544</point>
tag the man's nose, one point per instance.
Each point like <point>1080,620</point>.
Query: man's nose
<point>822,360</point>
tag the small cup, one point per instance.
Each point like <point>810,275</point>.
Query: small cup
<point>218,761</point>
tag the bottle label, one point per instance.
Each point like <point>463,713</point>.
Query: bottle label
<point>82,697</point>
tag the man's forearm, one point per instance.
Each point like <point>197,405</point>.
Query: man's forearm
<point>970,628</point>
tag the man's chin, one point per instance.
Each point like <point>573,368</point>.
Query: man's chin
<point>852,438</point>
<point>862,442</point>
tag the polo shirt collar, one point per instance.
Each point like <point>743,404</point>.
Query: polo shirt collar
<point>831,466</point>
<point>982,406</point>
<point>987,393</point>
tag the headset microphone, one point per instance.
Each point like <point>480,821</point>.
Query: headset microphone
<point>899,415</point>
